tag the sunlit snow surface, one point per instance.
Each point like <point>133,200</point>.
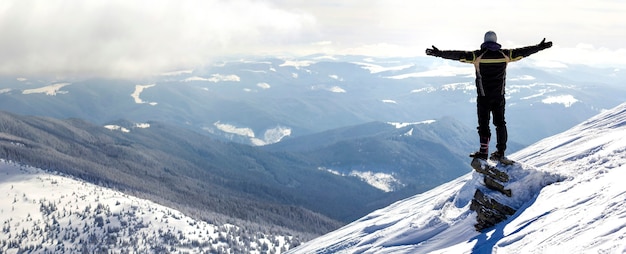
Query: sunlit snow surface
<point>49,213</point>
<point>582,211</point>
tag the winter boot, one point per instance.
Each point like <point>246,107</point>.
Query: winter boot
<point>499,157</point>
<point>479,155</point>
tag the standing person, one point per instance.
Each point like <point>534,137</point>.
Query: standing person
<point>490,62</point>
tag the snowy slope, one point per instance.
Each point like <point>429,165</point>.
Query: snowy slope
<point>568,190</point>
<point>49,213</point>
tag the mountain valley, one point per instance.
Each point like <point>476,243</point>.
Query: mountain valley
<point>287,148</point>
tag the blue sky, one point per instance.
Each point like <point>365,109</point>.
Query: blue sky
<point>134,38</point>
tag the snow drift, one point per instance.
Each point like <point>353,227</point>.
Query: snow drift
<point>568,193</point>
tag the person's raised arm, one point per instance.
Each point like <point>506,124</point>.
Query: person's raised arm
<point>458,55</point>
<point>519,53</point>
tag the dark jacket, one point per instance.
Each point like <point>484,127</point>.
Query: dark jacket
<point>490,63</point>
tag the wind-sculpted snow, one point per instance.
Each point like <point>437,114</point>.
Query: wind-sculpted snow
<point>568,192</point>
<point>436,219</point>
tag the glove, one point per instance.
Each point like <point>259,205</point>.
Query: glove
<point>544,45</point>
<point>433,52</point>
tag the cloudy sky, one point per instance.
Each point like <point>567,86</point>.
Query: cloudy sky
<point>124,38</point>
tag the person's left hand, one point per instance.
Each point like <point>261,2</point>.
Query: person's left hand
<point>544,45</point>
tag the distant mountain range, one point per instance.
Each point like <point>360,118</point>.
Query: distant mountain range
<point>353,169</point>
<point>306,144</point>
<point>262,101</point>
<point>406,156</point>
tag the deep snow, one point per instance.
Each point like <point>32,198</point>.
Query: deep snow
<point>568,190</point>
<point>45,212</point>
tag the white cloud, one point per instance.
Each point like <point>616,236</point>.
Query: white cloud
<point>444,70</point>
<point>522,78</point>
<point>215,78</point>
<point>275,135</point>
<point>397,27</point>
<point>566,100</point>
<point>129,38</point>
<point>335,77</point>
<point>51,90</point>
<point>336,89</point>
<point>116,128</point>
<point>142,125</point>
<point>459,86</point>
<point>296,64</point>
<point>560,57</point>
<point>429,89</point>
<point>263,85</point>
<point>122,38</point>
<point>177,73</point>
<point>229,128</point>
<point>138,90</point>
<point>383,181</point>
<point>270,136</point>
<point>374,68</point>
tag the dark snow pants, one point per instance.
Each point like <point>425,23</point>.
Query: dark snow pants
<point>488,106</point>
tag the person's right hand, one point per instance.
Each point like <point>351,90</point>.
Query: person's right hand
<point>433,52</point>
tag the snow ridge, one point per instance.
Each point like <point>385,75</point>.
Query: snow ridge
<point>409,226</point>
<point>568,192</point>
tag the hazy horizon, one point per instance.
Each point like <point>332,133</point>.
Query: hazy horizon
<point>65,38</point>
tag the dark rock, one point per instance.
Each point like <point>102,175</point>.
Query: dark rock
<point>490,212</point>
<point>495,185</point>
<point>484,168</point>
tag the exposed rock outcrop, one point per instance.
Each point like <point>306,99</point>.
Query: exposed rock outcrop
<point>490,212</point>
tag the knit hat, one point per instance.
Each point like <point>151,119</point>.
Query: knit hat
<point>491,36</point>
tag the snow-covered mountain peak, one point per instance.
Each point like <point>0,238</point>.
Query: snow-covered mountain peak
<point>583,212</point>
